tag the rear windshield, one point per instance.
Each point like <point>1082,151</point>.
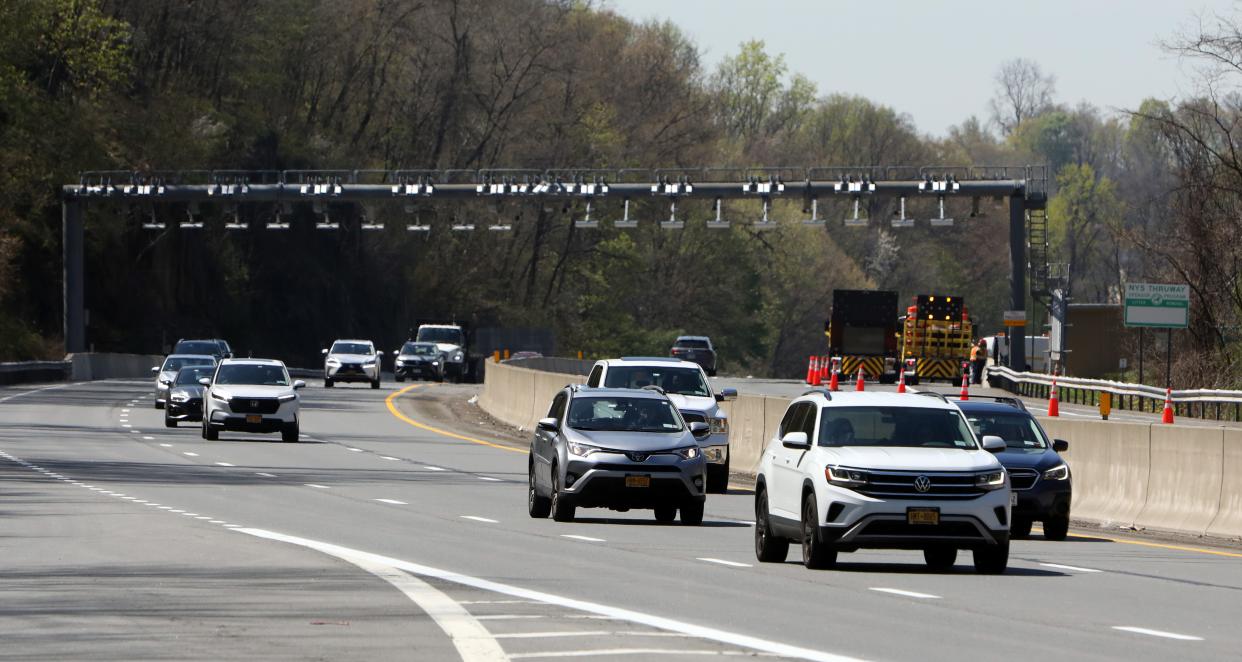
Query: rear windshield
<point>618,414</point>
<point>1017,430</point>
<point>691,344</point>
<point>197,347</point>
<point>174,363</point>
<point>910,427</point>
<point>192,375</point>
<point>351,348</point>
<point>683,381</point>
<point>265,375</point>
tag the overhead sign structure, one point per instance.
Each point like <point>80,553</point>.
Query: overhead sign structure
<point>1156,305</point>
<point>1015,318</point>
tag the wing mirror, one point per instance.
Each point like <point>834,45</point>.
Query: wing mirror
<point>726,394</point>
<point>155,369</point>
<point>379,352</point>
<point>1060,445</point>
<point>324,352</point>
<point>699,429</point>
<point>993,443</point>
<point>796,441</point>
<point>548,424</point>
<point>297,384</point>
<point>166,381</point>
<point>205,381</point>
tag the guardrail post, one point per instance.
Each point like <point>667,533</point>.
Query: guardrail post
<point>74,284</point>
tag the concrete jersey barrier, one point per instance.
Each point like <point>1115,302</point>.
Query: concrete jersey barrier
<point>1228,521</point>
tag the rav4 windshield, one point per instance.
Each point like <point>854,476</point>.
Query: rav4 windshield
<point>683,381</point>
<point>264,375</point>
<point>623,415</point>
<point>909,427</point>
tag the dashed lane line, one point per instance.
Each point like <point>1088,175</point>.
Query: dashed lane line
<point>264,474</point>
<point>582,538</point>
<point>908,594</point>
<point>392,501</point>
<point>318,487</point>
<point>1157,633</point>
<point>731,564</point>
<point>476,518</point>
<point>225,464</point>
<point>190,454</point>
<point>1072,568</point>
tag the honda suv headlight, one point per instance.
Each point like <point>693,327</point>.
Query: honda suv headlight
<point>217,396</point>
<point>719,425</point>
<point>689,452</point>
<point>1059,472</point>
<point>992,480</point>
<point>582,450</point>
<point>288,397</point>
<point>844,477</point>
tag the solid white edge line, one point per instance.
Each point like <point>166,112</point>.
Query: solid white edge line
<point>731,564</point>
<point>622,651</point>
<point>1069,567</point>
<point>489,479</point>
<point>551,635</point>
<point>592,608</point>
<point>1157,633</point>
<point>225,464</point>
<point>37,390</point>
<point>908,594</point>
<point>385,457</point>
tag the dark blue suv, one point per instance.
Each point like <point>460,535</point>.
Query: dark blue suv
<point>1039,475</point>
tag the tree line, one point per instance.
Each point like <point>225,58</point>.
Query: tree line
<point>537,84</point>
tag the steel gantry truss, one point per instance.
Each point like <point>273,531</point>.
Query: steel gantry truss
<point>1023,186</point>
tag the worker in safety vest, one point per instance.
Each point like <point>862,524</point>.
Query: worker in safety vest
<point>978,359</point>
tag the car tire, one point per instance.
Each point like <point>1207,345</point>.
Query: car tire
<point>692,514</point>
<point>327,383</point>
<point>159,405</point>
<point>398,378</point>
<point>561,509</point>
<point>768,548</point>
<point>940,559</point>
<point>993,559</point>
<point>210,433</point>
<point>1020,528</point>
<point>375,384</point>
<point>665,514</point>
<point>537,506</point>
<point>1056,528</point>
<point>290,432</point>
<point>168,422</point>
<point>718,478</point>
<point>815,554</point>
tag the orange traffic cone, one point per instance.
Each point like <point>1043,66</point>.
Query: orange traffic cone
<point>815,380</point>
<point>833,384</point>
<point>1054,405</point>
<point>859,385</point>
<point>901,379</point>
<point>1168,407</point>
<point>824,369</point>
<point>965,394</point>
<point>810,370</point>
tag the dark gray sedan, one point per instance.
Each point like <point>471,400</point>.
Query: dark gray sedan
<point>185,395</point>
<point>618,449</point>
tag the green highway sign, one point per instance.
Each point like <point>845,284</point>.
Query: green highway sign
<point>1156,305</point>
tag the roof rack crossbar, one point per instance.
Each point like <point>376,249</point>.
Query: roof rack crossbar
<point>933,394</point>
<point>822,391</point>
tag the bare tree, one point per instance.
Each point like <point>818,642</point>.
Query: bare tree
<point>1022,92</point>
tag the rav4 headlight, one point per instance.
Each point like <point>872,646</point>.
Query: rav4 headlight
<point>582,450</point>
<point>689,452</point>
<point>992,480</point>
<point>843,477</point>
<point>1059,472</point>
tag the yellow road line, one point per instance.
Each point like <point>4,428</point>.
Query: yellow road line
<point>1141,543</point>
<point>392,408</point>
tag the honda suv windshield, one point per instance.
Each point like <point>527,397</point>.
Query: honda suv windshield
<point>682,381</point>
<point>619,414</point>
<point>264,375</point>
<point>910,427</point>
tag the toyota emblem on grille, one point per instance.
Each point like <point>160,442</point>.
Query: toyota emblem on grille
<point>922,484</point>
<point>637,457</point>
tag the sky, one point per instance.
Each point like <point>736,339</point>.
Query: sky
<point>936,61</point>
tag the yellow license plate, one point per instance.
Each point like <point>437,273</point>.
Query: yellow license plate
<point>922,516</point>
<point>638,481</point>
<point>254,419</point>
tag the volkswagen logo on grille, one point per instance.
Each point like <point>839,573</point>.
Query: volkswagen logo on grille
<point>922,484</point>
<point>637,457</point>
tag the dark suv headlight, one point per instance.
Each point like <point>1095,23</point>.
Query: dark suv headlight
<point>1059,472</point>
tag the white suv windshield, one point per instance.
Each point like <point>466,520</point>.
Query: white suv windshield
<point>351,348</point>
<point>683,381</point>
<point>623,415</point>
<point>266,375</point>
<point>911,427</point>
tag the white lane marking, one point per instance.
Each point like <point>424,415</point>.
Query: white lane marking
<point>45,388</point>
<point>509,617</point>
<point>393,502</point>
<point>190,454</point>
<point>1068,567</point>
<point>356,450</point>
<point>435,469</point>
<point>136,431</point>
<point>480,519</point>
<point>1157,633</point>
<point>489,478</point>
<point>732,564</point>
<point>202,517</point>
<point>908,594</point>
<point>647,652</point>
<point>124,411</point>
<point>142,501</point>
<point>233,526</point>
<point>318,487</point>
<point>216,521</point>
<point>385,457</point>
<point>225,464</point>
<point>582,538</point>
<point>549,635</point>
<point>126,425</point>
<point>497,602</point>
<point>166,445</point>
<point>265,475</point>
<point>148,438</point>
<point>175,511</point>
<point>593,609</point>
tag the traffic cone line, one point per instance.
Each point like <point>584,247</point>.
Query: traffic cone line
<point>1054,405</point>
<point>834,383</point>
<point>860,384</point>
<point>815,380</point>
<point>810,370</point>
<point>965,394</point>
<point>901,379</point>
<point>1167,419</point>
<point>824,367</point>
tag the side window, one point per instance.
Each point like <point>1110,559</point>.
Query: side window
<point>557,410</point>
<point>808,422</point>
<point>794,419</point>
<point>596,373</point>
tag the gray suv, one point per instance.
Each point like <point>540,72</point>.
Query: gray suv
<point>618,449</point>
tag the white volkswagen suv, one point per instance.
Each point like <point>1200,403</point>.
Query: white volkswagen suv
<point>687,387</point>
<point>881,470</point>
<point>251,395</point>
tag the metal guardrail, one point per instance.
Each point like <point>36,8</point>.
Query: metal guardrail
<point>1213,404</point>
<point>26,372</point>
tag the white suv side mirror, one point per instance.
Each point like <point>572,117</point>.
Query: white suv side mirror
<point>155,369</point>
<point>993,443</point>
<point>297,384</point>
<point>205,381</point>
<point>796,440</point>
<point>324,352</point>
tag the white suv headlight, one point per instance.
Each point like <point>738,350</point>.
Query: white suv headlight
<point>370,361</point>
<point>333,362</point>
<point>1059,472</point>
<point>992,480</point>
<point>288,397</point>
<point>844,477</point>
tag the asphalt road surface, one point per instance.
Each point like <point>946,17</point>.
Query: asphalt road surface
<point>383,535</point>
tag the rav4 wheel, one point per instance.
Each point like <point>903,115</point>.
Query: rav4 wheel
<point>536,506</point>
<point>1056,528</point>
<point>562,510</point>
<point>815,554</point>
<point>993,559</point>
<point>210,433</point>
<point>768,548</point>
<point>169,422</point>
<point>665,514</point>
<point>376,383</point>
<point>692,513</point>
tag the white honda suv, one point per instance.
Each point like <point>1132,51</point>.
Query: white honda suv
<point>251,395</point>
<point>848,471</point>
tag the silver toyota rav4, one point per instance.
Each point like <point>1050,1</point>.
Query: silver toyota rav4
<point>618,449</point>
